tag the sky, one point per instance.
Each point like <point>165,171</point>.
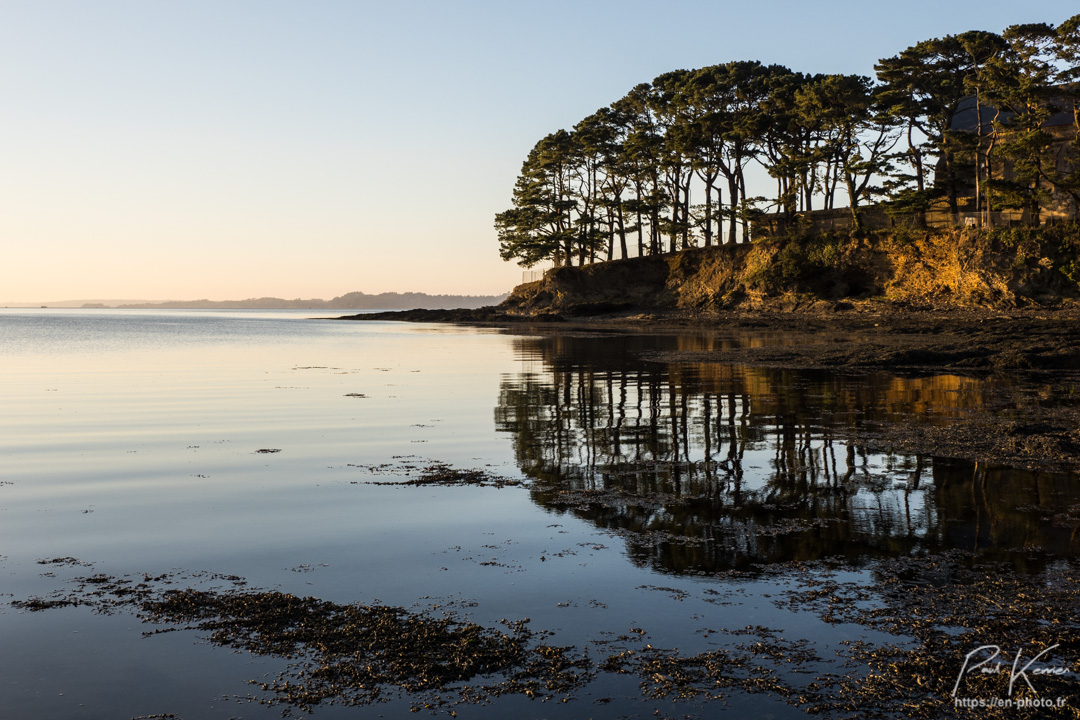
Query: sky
<point>305,149</point>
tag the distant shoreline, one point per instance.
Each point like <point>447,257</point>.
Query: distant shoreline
<point>349,301</point>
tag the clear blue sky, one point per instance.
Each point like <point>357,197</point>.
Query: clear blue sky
<point>193,149</point>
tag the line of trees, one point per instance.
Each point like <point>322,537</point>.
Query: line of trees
<point>665,167</point>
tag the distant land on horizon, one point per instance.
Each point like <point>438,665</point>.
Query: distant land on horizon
<point>349,301</point>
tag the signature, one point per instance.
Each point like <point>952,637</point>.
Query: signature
<point>1016,671</point>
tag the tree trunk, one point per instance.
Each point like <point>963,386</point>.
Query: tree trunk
<point>978,150</point>
<point>640,233</point>
<point>640,221</point>
<point>708,214</point>
<point>622,230</point>
<point>611,233</point>
<point>686,212</point>
<point>849,182</point>
<point>654,229</point>
<point>989,167</point>
<point>742,203</point>
<point>675,206</point>
<point>916,159</point>
<point>733,200</point>
<point>950,187</point>
<point>568,241</point>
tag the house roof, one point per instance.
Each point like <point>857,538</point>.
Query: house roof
<point>965,118</point>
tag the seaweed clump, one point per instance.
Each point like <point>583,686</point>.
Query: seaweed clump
<point>950,613</point>
<point>353,654</point>
<point>347,654</point>
<point>439,473</point>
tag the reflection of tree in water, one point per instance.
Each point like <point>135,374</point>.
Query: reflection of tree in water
<point>708,466</point>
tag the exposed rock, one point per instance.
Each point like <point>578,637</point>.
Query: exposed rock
<point>1003,269</point>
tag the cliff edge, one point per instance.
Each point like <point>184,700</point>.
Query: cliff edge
<point>919,270</point>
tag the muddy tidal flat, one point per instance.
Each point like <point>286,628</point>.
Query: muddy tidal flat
<point>249,514</point>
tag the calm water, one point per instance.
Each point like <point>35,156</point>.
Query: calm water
<point>131,439</point>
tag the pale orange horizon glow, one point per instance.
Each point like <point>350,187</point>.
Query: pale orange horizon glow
<point>248,149</point>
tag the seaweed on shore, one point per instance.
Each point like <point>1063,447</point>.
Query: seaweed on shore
<point>948,613</point>
<point>357,654</point>
<point>911,626</point>
<point>348,654</point>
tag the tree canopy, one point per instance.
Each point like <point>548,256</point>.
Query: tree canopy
<point>665,166</point>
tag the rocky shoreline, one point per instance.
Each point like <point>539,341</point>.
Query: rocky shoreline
<point>966,339</point>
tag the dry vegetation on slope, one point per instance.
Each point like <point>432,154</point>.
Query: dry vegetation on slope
<point>1006,268</point>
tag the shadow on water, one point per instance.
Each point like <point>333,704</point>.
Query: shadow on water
<point>704,467</point>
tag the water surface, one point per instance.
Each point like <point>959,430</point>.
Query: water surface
<point>252,444</point>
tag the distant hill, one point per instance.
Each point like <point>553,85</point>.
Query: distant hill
<point>84,303</point>
<point>349,301</point>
